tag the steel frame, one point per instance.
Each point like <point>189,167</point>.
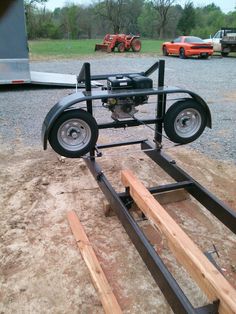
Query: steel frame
<point>120,202</point>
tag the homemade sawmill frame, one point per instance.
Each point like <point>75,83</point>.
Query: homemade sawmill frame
<point>121,202</point>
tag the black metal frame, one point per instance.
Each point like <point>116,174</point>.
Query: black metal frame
<point>89,95</point>
<point>120,202</point>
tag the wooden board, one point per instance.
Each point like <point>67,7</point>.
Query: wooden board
<point>210,280</point>
<point>108,299</point>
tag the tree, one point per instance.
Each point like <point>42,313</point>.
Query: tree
<point>69,21</point>
<point>187,20</point>
<point>30,8</point>
<point>147,22</point>
<point>30,4</point>
<point>162,7</point>
<point>85,25</point>
<point>133,9</point>
<point>209,19</point>
<point>114,12</point>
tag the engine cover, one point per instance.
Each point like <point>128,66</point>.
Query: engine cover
<point>119,82</point>
<point>134,81</point>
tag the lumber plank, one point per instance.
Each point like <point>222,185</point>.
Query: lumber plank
<point>108,299</point>
<point>209,279</point>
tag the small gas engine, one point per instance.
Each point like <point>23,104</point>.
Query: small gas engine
<point>124,107</point>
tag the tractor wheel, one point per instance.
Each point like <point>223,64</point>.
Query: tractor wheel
<point>185,121</point>
<point>182,53</point>
<point>136,45</point>
<point>165,51</point>
<point>121,47</point>
<point>74,133</point>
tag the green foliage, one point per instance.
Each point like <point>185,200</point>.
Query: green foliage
<point>150,19</point>
<point>187,20</point>
<point>209,19</point>
<point>69,21</point>
<point>146,21</point>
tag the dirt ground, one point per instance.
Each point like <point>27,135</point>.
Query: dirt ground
<point>42,270</point>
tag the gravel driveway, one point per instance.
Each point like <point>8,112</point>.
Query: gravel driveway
<point>22,110</point>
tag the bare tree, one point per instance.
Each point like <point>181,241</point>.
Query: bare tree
<point>113,11</point>
<point>31,22</point>
<point>162,7</point>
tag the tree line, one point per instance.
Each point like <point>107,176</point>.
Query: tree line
<point>157,19</point>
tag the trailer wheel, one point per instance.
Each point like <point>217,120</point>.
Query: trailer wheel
<point>74,133</point>
<point>136,45</point>
<point>185,121</point>
<point>121,47</point>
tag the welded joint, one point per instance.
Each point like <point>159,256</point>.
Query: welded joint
<point>212,308</point>
<point>99,176</point>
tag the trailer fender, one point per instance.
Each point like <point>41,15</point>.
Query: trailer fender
<point>64,104</point>
<point>202,103</point>
<point>75,98</point>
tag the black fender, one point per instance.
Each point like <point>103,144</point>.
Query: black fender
<point>83,96</point>
<point>202,103</point>
<point>65,103</point>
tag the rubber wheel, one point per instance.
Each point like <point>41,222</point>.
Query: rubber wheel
<point>136,45</point>
<point>182,53</point>
<point>165,51</point>
<point>74,133</point>
<point>185,121</point>
<point>121,47</point>
<point>204,57</point>
<point>224,54</point>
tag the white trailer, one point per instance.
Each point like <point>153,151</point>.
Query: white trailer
<point>14,52</point>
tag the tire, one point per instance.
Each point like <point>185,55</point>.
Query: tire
<point>121,47</point>
<point>182,53</point>
<point>136,45</point>
<point>185,121</point>
<point>165,51</point>
<point>74,133</point>
<point>224,54</point>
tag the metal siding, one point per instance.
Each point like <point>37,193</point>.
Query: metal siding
<point>13,38</point>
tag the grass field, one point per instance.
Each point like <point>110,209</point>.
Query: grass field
<point>77,48</point>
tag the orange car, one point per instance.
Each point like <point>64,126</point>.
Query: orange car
<point>187,46</point>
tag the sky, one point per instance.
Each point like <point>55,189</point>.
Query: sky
<point>225,5</point>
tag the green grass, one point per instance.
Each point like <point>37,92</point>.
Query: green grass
<point>78,48</point>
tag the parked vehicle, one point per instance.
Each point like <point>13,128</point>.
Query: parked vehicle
<point>122,42</point>
<point>224,41</point>
<point>187,46</point>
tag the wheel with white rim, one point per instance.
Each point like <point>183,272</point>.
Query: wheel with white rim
<point>74,133</point>
<point>185,121</point>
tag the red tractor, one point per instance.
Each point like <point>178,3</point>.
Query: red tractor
<point>123,43</point>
